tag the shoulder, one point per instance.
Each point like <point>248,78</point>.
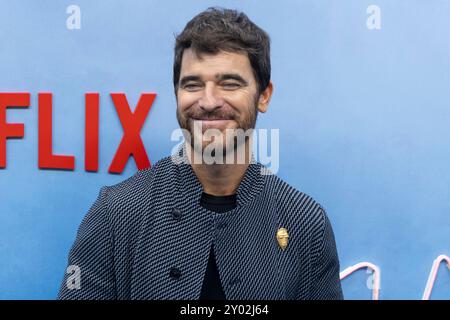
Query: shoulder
<point>291,199</point>
<point>304,216</point>
<point>297,207</point>
<point>140,181</point>
<point>131,197</point>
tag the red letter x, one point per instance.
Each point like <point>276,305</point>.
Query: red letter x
<point>132,122</point>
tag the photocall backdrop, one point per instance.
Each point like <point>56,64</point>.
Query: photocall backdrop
<point>362,93</point>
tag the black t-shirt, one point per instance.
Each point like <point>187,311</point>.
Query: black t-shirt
<point>212,287</point>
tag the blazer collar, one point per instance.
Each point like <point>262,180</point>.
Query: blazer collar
<point>250,186</point>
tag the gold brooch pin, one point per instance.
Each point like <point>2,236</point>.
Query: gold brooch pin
<point>282,238</point>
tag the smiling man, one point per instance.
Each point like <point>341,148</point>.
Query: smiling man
<point>214,229</point>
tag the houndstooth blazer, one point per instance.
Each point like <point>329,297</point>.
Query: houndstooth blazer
<point>148,238</point>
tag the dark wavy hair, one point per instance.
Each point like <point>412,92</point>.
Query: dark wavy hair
<point>218,29</point>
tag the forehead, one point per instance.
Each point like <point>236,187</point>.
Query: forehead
<point>210,65</point>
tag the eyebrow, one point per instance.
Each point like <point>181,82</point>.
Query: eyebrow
<point>219,77</point>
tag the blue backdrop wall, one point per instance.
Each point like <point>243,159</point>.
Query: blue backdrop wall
<point>363,113</point>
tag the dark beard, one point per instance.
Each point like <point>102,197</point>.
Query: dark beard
<point>186,121</point>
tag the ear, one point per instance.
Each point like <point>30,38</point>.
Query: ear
<point>264,98</point>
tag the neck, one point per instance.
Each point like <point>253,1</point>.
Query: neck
<point>220,179</point>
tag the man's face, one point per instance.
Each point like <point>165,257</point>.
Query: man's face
<point>216,91</point>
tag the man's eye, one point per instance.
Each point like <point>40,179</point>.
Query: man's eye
<point>192,86</point>
<point>231,85</point>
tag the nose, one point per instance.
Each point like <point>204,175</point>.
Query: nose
<point>210,99</point>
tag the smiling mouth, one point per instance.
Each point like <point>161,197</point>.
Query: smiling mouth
<point>211,119</point>
<point>212,122</point>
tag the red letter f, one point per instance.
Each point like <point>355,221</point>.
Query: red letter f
<point>10,130</point>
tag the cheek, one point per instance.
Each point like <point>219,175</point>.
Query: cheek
<point>185,101</point>
<point>241,101</point>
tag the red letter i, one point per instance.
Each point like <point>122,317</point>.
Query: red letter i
<point>91,132</point>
